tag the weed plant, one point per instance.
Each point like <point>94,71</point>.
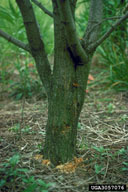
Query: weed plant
<point>13,178</point>
<point>101,154</point>
<point>11,22</point>
<point>113,50</point>
<point>116,64</point>
<point>28,82</point>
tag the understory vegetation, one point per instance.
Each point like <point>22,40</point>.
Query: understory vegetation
<point>102,149</point>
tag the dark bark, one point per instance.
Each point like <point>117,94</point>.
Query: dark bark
<point>36,43</point>
<point>66,98</point>
<point>42,8</point>
<point>14,40</point>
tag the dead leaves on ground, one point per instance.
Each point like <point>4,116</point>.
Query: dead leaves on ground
<point>69,167</point>
<point>40,159</point>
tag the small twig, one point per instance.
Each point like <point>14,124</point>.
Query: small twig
<point>22,110</point>
<point>42,7</point>
<point>22,113</point>
<point>115,111</point>
<point>22,148</point>
<point>106,169</point>
<point>14,41</point>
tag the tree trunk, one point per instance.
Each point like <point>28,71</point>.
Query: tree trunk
<point>65,102</point>
<point>66,98</point>
<point>64,106</point>
<point>67,95</point>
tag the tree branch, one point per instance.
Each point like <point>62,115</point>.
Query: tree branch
<point>107,34</point>
<point>95,17</point>
<point>109,18</point>
<point>16,42</point>
<point>73,6</point>
<point>42,7</point>
<point>70,30</point>
<point>35,42</point>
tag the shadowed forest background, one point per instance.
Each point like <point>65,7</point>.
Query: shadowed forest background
<point>102,141</point>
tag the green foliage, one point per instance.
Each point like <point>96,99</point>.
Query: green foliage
<point>82,11</point>
<point>80,126</point>
<point>99,169</point>
<point>12,23</point>
<point>15,128</point>
<point>101,154</point>
<point>99,158</point>
<point>101,150</point>
<point>110,108</point>
<point>113,50</point>
<point>126,166</point>
<point>21,79</point>
<point>38,185</point>
<point>39,147</point>
<point>26,129</point>
<point>117,64</point>
<point>124,117</point>
<point>12,175</point>
<point>28,83</point>
<point>124,152</point>
<point>46,26</point>
<point>9,171</point>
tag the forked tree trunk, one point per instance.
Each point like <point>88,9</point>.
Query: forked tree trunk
<point>66,98</point>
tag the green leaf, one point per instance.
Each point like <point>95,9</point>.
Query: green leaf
<point>14,12</point>
<point>79,125</point>
<point>23,170</point>
<point>122,151</point>
<point>125,163</point>
<point>14,160</point>
<point>124,169</point>
<point>41,182</point>
<point>2,182</point>
<point>2,169</point>
<point>31,188</point>
<point>98,168</point>
<point>99,149</point>
<point>29,180</point>
<point>5,15</point>
<point>19,96</point>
